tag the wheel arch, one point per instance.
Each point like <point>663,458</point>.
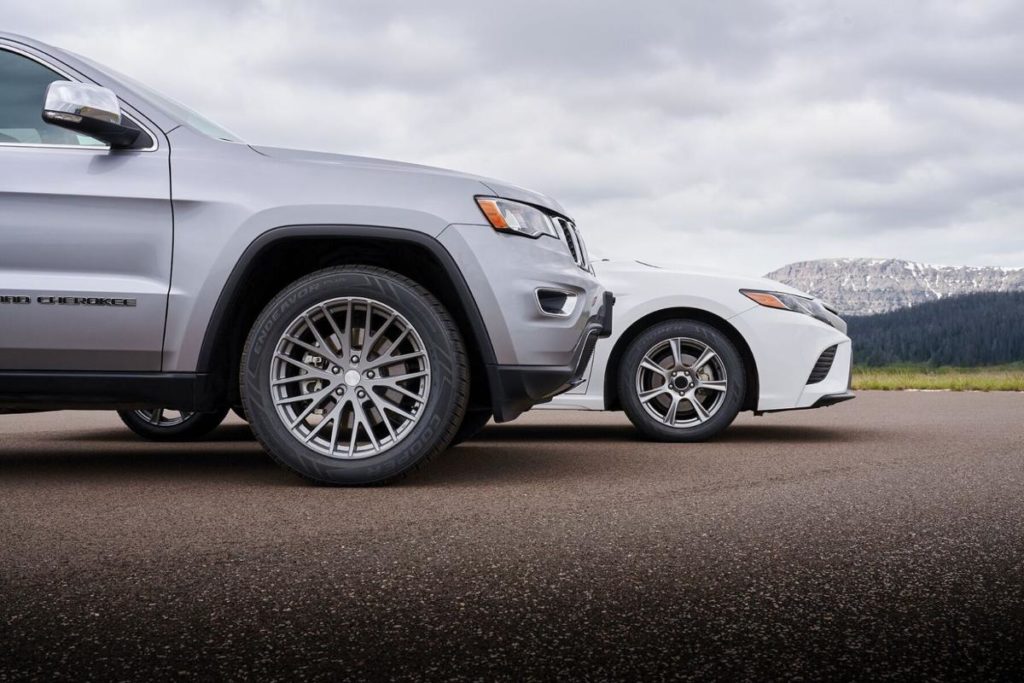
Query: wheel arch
<point>282,255</point>
<point>611,389</point>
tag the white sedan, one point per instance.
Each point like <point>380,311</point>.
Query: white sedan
<point>691,349</point>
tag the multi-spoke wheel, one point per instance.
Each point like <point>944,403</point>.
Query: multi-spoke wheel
<point>350,377</point>
<point>165,424</point>
<point>354,375</point>
<point>681,380</point>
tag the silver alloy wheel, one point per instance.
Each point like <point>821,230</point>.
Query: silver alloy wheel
<point>353,364</point>
<point>681,382</point>
<point>163,417</point>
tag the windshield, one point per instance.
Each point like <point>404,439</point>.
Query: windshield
<point>175,109</point>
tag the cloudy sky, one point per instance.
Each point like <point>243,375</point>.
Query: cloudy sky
<point>741,135</point>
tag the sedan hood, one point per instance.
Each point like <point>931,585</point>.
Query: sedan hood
<point>492,187</point>
<point>676,271</point>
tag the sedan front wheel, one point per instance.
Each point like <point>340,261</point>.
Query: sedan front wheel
<point>681,380</point>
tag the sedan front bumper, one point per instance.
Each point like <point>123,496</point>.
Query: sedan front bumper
<point>786,347</point>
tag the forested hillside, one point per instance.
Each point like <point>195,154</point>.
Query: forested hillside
<point>977,329</point>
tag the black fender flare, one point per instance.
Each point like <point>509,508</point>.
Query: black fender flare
<point>220,318</point>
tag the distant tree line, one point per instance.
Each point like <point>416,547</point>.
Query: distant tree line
<point>971,330</point>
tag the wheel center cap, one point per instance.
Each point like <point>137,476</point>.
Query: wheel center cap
<point>682,382</point>
<point>352,377</point>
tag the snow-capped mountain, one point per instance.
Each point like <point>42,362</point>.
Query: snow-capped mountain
<point>859,286</point>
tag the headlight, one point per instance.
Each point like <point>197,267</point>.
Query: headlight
<point>515,217</point>
<point>792,302</point>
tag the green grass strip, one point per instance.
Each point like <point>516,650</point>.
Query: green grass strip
<point>923,377</point>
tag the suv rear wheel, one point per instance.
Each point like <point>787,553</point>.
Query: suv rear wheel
<point>354,375</point>
<point>164,424</point>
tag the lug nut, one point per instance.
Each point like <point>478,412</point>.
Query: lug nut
<point>355,359</point>
<point>362,394</point>
<point>339,391</point>
<point>369,375</point>
<point>335,369</point>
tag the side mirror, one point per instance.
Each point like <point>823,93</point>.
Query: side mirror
<point>87,109</point>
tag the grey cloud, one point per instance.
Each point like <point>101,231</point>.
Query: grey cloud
<point>740,133</point>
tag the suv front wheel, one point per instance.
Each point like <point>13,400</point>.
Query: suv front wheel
<point>354,375</point>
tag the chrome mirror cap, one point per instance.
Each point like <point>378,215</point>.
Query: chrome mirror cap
<point>82,101</point>
<point>90,110</point>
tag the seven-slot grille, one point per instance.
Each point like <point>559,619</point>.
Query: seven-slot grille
<point>823,366</point>
<point>575,243</point>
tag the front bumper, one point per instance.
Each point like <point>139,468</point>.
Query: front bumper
<point>541,343</point>
<point>505,273</point>
<point>517,388</point>
<point>786,346</point>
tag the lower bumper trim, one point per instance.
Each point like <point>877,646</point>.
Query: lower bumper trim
<point>517,388</point>
<point>832,399</point>
<point>823,402</point>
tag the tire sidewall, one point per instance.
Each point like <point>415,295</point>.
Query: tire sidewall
<point>472,424</point>
<point>692,329</point>
<point>430,434</point>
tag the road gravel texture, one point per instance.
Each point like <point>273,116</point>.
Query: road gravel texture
<point>879,538</point>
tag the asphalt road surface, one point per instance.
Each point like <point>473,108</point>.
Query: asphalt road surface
<point>883,537</point>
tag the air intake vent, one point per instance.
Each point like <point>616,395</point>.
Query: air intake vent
<point>584,362</point>
<point>588,352</point>
<point>556,302</point>
<point>823,366</point>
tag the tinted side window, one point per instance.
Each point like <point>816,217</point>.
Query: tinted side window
<point>23,84</point>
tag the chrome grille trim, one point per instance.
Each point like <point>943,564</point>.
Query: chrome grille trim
<point>571,235</point>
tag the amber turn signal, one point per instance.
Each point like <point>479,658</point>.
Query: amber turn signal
<point>493,213</point>
<point>764,298</point>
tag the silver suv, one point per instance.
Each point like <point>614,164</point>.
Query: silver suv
<point>362,314</point>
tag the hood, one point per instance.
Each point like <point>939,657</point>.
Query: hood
<point>493,187</point>
<point>676,270</point>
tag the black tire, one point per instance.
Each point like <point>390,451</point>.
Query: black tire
<point>725,412</point>
<point>472,424</point>
<point>193,426</point>
<point>440,415</point>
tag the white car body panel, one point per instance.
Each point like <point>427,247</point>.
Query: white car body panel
<point>785,345</point>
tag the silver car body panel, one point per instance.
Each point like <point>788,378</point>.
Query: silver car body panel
<point>85,223</point>
<point>110,220</point>
<point>504,272</point>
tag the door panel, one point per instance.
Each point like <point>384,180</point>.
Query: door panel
<point>85,238</point>
<point>85,261</point>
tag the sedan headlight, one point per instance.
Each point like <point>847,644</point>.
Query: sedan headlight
<point>515,217</point>
<point>797,304</point>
